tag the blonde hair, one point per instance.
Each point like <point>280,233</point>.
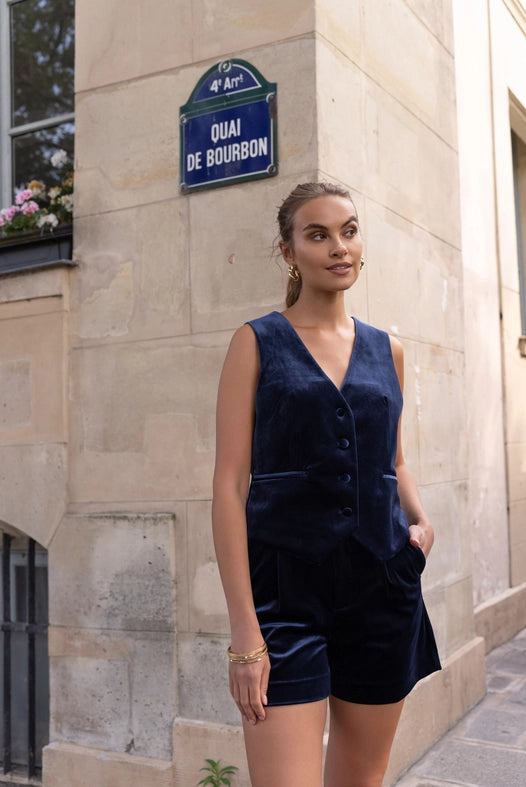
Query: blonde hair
<point>303,193</point>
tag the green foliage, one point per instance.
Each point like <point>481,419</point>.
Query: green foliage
<point>217,775</point>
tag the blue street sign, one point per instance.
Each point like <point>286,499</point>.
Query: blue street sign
<point>228,128</point>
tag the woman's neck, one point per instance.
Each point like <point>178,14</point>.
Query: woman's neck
<point>320,311</point>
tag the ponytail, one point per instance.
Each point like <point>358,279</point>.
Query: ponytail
<point>293,292</point>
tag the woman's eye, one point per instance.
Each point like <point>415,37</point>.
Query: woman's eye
<point>350,232</point>
<point>318,236</point>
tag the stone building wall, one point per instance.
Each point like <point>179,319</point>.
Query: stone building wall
<point>113,366</point>
<point>508,30</point>
<point>491,96</point>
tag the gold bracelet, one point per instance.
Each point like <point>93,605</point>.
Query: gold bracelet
<point>248,658</point>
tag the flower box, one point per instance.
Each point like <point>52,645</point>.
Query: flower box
<point>36,230</point>
<point>31,250</point>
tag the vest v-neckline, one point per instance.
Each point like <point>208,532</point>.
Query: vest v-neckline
<point>313,359</point>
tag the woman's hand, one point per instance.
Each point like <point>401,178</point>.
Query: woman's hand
<point>248,686</point>
<point>422,535</point>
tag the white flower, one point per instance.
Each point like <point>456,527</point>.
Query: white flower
<point>58,158</point>
<point>48,218</point>
<point>53,192</point>
<point>67,202</point>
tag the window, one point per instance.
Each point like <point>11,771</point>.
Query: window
<point>37,40</point>
<point>519,178</point>
<point>24,693</point>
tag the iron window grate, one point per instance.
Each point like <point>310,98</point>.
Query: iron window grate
<point>24,631</point>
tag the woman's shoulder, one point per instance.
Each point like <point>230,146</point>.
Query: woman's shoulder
<point>266,320</point>
<point>381,338</point>
<point>242,354</point>
<point>365,326</point>
<point>366,329</point>
<point>254,332</point>
<point>251,330</point>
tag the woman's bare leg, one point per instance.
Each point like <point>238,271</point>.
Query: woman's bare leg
<point>360,741</point>
<point>285,750</point>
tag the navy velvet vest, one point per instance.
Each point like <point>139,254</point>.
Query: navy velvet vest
<point>323,458</point>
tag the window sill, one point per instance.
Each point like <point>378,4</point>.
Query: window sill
<point>17,778</point>
<point>31,251</point>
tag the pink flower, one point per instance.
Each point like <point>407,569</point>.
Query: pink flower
<point>8,213</point>
<point>23,195</point>
<point>28,208</point>
<point>1,220</point>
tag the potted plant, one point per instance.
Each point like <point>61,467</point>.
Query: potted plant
<point>36,229</point>
<point>217,775</point>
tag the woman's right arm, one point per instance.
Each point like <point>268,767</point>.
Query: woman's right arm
<point>234,433</point>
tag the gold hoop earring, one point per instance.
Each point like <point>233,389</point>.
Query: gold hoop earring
<point>294,273</point>
<point>362,263</point>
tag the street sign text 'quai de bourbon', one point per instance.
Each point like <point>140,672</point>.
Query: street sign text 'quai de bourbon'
<point>228,128</point>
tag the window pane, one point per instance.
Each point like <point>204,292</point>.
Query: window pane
<point>32,153</point>
<point>42,59</point>
<point>19,649</point>
<point>20,594</point>
<point>19,697</point>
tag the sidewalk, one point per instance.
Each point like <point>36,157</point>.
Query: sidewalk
<point>487,748</point>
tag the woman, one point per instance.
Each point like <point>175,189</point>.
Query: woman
<point>319,530</point>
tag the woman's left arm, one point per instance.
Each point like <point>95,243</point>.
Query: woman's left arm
<point>420,529</point>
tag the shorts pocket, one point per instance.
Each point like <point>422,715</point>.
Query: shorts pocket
<point>405,568</point>
<point>418,556</point>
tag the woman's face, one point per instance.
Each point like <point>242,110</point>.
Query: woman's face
<point>326,244</point>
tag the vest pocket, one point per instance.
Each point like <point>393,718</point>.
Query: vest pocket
<point>277,476</point>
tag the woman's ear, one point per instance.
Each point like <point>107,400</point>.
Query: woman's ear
<point>286,252</point>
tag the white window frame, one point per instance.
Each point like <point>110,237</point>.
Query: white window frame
<point>7,131</point>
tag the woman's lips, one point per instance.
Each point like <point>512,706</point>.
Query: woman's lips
<point>341,269</point>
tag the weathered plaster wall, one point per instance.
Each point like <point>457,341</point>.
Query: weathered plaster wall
<point>111,641</point>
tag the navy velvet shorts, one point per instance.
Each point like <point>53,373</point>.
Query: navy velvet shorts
<point>351,626</point>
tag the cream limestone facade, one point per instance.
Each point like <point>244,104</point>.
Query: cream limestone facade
<point>109,370</point>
